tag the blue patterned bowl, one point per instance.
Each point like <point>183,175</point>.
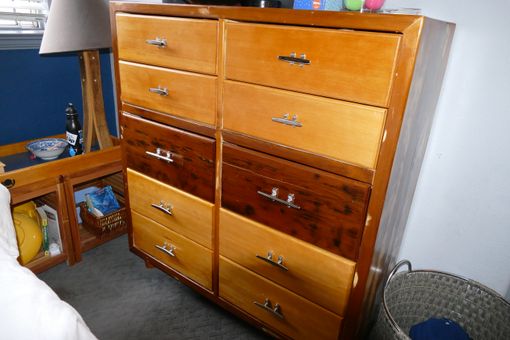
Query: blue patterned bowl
<point>47,148</point>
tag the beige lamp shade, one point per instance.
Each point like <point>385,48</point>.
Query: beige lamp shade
<point>77,25</point>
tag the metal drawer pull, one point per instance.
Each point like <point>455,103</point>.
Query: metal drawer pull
<point>274,197</point>
<point>159,42</point>
<point>164,155</point>
<point>269,259</point>
<point>162,91</point>
<point>166,208</point>
<point>294,59</point>
<point>268,307</point>
<point>164,249</point>
<point>285,120</point>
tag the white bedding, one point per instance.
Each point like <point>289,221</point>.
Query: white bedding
<point>29,309</point>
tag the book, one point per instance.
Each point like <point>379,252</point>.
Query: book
<point>53,230</point>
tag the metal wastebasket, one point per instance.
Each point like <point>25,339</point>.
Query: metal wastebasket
<point>412,297</point>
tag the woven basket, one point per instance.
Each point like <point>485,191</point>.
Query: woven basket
<point>415,296</point>
<point>101,226</point>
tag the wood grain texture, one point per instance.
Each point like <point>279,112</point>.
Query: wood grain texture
<point>435,43</point>
<point>191,216</point>
<point>300,156</point>
<point>183,98</point>
<point>182,123</point>
<point>340,130</point>
<point>332,209</point>
<point>416,35</point>
<point>191,259</point>
<point>313,273</point>
<point>89,163</point>
<point>191,44</point>
<point>192,169</point>
<point>95,127</point>
<point>356,77</point>
<point>302,318</point>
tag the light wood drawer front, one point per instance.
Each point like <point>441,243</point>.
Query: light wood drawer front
<point>191,164</point>
<point>309,271</point>
<point>315,206</point>
<point>183,213</point>
<point>190,43</point>
<point>302,319</point>
<point>350,65</point>
<point>178,93</point>
<point>341,130</point>
<point>191,259</point>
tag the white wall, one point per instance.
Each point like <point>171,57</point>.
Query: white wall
<point>460,218</point>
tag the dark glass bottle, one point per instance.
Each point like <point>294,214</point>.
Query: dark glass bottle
<point>73,131</point>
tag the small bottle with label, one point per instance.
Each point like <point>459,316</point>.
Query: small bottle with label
<point>73,131</point>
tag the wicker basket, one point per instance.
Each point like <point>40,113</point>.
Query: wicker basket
<point>415,296</point>
<point>102,226</point>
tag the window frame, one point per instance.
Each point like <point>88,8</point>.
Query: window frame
<point>21,39</point>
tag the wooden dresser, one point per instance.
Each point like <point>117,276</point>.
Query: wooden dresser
<point>271,155</point>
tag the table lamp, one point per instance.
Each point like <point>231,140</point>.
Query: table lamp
<point>83,26</point>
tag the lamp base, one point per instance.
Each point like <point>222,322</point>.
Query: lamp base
<point>94,119</point>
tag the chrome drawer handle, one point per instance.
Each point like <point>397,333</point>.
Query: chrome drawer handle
<point>162,91</point>
<point>276,311</point>
<point>164,249</point>
<point>162,206</point>
<point>159,42</point>
<point>294,59</point>
<point>274,197</point>
<point>288,121</point>
<point>161,154</point>
<point>269,259</point>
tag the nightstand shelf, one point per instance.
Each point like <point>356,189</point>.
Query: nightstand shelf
<point>54,183</point>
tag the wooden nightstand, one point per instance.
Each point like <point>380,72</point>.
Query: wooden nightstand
<point>54,183</point>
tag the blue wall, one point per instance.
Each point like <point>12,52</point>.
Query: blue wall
<point>35,90</point>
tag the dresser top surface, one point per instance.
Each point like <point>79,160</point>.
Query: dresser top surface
<point>342,19</point>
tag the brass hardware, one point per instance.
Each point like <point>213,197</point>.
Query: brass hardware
<point>161,154</point>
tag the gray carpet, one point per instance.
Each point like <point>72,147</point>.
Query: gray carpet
<point>121,299</point>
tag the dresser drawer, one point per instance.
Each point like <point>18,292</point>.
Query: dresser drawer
<point>189,258</point>
<point>299,318</point>
<point>185,160</point>
<point>190,43</point>
<point>178,93</point>
<point>350,65</point>
<point>326,210</point>
<point>183,213</point>
<point>341,130</point>
<point>306,270</point>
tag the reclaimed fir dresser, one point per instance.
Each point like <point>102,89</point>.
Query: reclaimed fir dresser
<point>270,155</point>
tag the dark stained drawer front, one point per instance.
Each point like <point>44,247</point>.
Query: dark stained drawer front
<point>182,159</point>
<point>320,208</point>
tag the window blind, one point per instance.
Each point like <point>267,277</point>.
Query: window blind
<point>23,16</point>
